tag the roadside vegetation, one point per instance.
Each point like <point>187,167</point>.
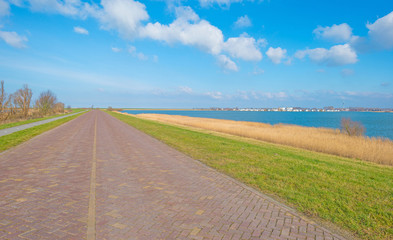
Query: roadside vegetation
<point>354,195</point>
<point>14,124</point>
<point>18,106</point>
<point>347,142</point>
<point>19,137</point>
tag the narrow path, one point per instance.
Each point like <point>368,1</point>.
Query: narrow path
<point>98,178</point>
<point>10,130</point>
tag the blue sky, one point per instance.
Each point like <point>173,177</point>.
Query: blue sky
<point>206,53</point>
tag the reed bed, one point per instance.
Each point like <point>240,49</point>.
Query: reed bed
<point>331,141</point>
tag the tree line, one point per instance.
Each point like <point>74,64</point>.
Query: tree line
<point>18,105</point>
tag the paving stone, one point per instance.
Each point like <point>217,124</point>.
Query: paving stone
<point>143,190</point>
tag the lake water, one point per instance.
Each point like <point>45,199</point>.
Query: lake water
<point>376,124</point>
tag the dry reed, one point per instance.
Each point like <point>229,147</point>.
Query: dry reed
<point>324,140</point>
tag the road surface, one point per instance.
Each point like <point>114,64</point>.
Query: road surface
<point>95,177</point>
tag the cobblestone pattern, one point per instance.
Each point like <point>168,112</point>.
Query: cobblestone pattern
<point>147,190</point>
<point>144,190</point>
<point>44,184</point>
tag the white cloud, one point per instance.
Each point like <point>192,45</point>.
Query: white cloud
<point>335,33</point>
<point>81,30</point>
<point>186,89</point>
<point>13,39</point>
<point>215,95</point>
<point>335,56</point>
<point>206,3</point>
<point>115,49</point>
<point>226,63</point>
<point>258,71</point>
<point>64,7</point>
<point>188,30</point>
<point>4,8</point>
<point>142,56</point>
<point>186,14</point>
<point>381,32</point>
<point>243,21</point>
<point>155,58</point>
<point>262,42</point>
<point>132,49</point>
<point>243,47</point>
<point>276,54</point>
<point>125,16</point>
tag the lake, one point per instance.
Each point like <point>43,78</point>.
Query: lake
<point>376,124</point>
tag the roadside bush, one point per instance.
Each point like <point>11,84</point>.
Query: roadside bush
<point>352,128</point>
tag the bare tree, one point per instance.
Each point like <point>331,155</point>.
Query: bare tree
<point>10,107</point>
<point>352,128</point>
<point>3,100</point>
<point>59,107</point>
<point>22,99</point>
<point>46,102</point>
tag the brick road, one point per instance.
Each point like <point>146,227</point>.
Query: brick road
<point>98,178</point>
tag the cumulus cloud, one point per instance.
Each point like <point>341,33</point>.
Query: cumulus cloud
<point>258,71</point>
<point>81,30</point>
<point>242,22</point>
<point>226,63</point>
<point>381,32</point>
<point>115,49</point>
<point>125,16</point>
<point>185,89</point>
<point>187,29</point>
<point>215,95</point>
<point>132,49</point>
<point>336,33</point>
<point>335,56</point>
<point>13,39</point>
<point>64,7</point>
<point>243,47</point>
<point>4,8</point>
<point>128,18</point>
<point>142,56</point>
<point>276,54</point>
<point>227,3</point>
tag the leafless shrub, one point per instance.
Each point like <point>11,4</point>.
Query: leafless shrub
<point>22,98</point>
<point>59,107</point>
<point>110,108</point>
<point>3,102</point>
<point>352,128</point>
<point>46,102</point>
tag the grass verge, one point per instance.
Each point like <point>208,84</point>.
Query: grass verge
<point>19,137</point>
<point>324,140</point>
<point>354,195</point>
<point>15,124</point>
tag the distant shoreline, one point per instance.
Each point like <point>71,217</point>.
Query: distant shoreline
<point>188,109</point>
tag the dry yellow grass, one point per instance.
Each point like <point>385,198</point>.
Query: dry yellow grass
<point>324,140</point>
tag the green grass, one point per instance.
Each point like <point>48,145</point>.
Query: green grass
<point>354,195</point>
<point>19,137</point>
<point>14,124</point>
